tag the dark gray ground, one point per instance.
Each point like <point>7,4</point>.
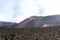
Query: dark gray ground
<point>48,33</point>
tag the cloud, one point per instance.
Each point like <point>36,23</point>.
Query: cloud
<point>18,10</point>
<point>52,7</point>
<point>29,8</point>
<point>6,10</point>
<point>15,10</point>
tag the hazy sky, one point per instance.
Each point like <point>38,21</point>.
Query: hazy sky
<point>18,10</point>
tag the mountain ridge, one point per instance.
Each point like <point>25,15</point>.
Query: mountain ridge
<point>34,21</point>
<point>39,21</point>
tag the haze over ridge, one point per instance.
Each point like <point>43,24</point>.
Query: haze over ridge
<point>18,10</point>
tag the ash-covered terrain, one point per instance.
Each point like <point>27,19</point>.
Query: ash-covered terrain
<point>46,33</point>
<point>34,21</point>
<point>39,21</point>
<point>32,28</point>
<point>8,24</point>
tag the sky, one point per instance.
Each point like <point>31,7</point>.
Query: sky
<point>18,10</point>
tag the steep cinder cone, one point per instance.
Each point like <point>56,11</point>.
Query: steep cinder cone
<point>30,22</point>
<point>38,21</point>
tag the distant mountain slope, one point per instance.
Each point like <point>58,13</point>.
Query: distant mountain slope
<point>29,22</point>
<point>53,20</point>
<point>38,21</point>
<point>34,21</point>
<point>7,24</point>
